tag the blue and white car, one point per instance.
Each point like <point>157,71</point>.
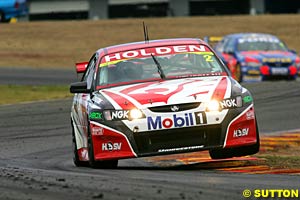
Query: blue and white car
<point>12,8</point>
<point>257,57</point>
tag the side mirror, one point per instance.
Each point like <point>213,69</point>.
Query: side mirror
<point>79,87</point>
<point>229,52</point>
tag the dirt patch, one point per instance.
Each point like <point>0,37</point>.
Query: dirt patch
<point>62,43</point>
<point>278,154</point>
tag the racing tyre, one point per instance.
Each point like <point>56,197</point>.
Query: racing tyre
<point>76,160</point>
<point>2,17</point>
<point>291,78</point>
<point>236,152</point>
<point>238,73</point>
<point>107,164</point>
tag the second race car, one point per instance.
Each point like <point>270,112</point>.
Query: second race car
<point>257,56</point>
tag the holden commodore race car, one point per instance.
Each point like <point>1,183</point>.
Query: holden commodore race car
<point>257,56</point>
<point>159,97</point>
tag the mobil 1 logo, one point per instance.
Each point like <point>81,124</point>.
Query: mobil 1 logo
<point>176,121</point>
<point>200,118</point>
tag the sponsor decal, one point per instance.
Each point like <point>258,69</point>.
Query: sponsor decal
<point>181,148</point>
<point>231,103</point>
<point>96,115</point>
<point>258,39</point>
<point>109,146</point>
<point>253,72</point>
<point>277,60</point>
<point>97,130</point>
<point>176,121</point>
<point>250,115</point>
<point>119,114</point>
<point>154,51</point>
<point>247,99</point>
<point>241,132</point>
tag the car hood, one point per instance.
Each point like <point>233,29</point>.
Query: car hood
<point>168,92</point>
<point>269,56</point>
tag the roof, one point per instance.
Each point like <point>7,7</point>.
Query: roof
<point>239,35</point>
<point>150,43</point>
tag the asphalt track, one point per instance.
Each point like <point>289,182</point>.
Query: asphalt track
<point>35,156</point>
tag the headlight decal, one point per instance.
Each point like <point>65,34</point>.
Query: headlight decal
<point>228,103</point>
<point>231,103</point>
<point>113,115</point>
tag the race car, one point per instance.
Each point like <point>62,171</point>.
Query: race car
<point>159,97</point>
<point>257,57</point>
<point>12,8</point>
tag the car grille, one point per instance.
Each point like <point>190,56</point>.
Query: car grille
<point>181,107</point>
<point>278,64</point>
<point>152,142</point>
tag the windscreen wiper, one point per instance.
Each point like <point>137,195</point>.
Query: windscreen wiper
<point>159,68</point>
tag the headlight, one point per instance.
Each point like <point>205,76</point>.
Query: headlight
<point>123,114</point>
<point>213,105</point>
<point>135,114</point>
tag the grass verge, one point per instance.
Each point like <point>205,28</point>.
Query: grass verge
<point>12,94</point>
<point>281,161</point>
<point>62,43</point>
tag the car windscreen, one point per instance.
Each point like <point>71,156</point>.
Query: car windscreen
<point>260,44</point>
<point>158,63</point>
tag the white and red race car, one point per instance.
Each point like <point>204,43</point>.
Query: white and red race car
<point>159,97</point>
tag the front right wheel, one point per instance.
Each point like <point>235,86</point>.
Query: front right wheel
<point>238,73</point>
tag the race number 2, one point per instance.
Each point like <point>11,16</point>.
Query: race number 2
<point>200,118</point>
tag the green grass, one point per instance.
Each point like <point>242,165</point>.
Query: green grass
<point>282,161</point>
<point>56,44</point>
<point>11,94</point>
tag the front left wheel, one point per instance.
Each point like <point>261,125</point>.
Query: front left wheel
<point>2,17</point>
<point>106,164</point>
<point>76,159</point>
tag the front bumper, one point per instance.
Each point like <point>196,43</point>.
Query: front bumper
<point>237,129</point>
<point>259,73</point>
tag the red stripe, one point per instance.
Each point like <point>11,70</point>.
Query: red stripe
<point>220,90</point>
<point>121,101</point>
<point>154,95</point>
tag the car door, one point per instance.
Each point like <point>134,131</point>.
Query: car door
<point>228,53</point>
<point>81,99</point>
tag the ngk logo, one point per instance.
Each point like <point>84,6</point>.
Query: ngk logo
<point>240,132</point>
<point>109,146</point>
<point>228,103</point>
<point>231,103</point>
<point>119,114</point>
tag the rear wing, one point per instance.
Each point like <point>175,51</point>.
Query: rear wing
<point>212,40</point>
<point>81,67</point>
